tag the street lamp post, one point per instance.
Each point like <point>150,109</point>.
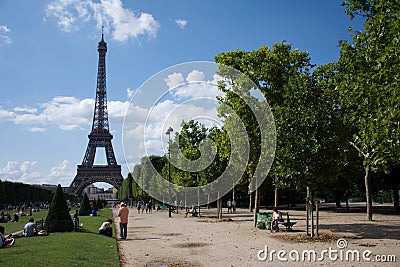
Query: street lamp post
<point>169,131</point>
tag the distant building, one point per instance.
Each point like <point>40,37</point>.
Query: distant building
<point>94,192</point>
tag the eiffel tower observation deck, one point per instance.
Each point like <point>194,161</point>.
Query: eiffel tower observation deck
<point>99,137</point>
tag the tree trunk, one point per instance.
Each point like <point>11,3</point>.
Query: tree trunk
<point>338,196</point>
<point>368,194</point>
<point>396,201</point>
<point>251,202</point>
<point>276,198</point>
<point>219,207</point>
<point>256,205</point>
<point>347,202</point>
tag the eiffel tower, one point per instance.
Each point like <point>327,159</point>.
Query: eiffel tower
<point>100,136</point>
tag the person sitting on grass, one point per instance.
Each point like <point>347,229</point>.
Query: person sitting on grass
<point>5,240</point>
<point>30,229</point>
<point>105,228</point>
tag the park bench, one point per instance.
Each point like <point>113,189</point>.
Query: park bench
<point>264,220</point>
<point>162,207</point>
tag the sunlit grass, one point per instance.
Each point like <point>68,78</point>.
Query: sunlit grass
<point>83,248</point>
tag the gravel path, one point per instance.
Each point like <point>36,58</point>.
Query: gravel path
<point>156,240</point>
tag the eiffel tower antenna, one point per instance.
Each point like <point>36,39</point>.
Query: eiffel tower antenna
<point>100,136</point>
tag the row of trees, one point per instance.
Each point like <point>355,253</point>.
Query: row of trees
<point>335,123</point>
<point>13,193</point>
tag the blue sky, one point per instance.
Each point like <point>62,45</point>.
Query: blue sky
<point>48,65</point>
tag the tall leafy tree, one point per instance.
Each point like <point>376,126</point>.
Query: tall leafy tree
<point>369,85</point>
<point>282,74</point>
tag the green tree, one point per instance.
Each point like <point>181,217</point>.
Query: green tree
<point>369,85</point>
<point>85,208</point>
<point>58,218</point>
<point>100,203</point>
<point>129,186</point>
<point>2,193</point>
<point>282,74</point>
<point>95,205</point>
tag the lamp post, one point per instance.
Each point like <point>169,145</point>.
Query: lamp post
<point>169,131</point>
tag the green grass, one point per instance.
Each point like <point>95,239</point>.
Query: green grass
<point>83,248</point>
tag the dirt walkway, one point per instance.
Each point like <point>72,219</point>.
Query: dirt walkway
<point>157,240</point>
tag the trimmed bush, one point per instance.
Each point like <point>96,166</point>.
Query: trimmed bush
<point>100,204</point>
<point>58,218</point>
<point>85,209</point>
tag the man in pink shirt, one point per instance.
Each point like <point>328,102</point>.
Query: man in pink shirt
<point>123,213</point>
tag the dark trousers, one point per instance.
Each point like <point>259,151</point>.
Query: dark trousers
<point>107,232</point>
<point>123,230</point>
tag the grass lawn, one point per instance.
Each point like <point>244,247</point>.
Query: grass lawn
<point>83,248</point>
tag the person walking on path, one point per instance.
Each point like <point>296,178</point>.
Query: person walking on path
<point>123,213</point>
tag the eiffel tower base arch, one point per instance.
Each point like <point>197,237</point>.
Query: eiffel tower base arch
<point>89,175</point>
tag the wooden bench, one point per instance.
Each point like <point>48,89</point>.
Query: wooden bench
<point>164,207</point>
<point>288,224</point>
<point>264,220</point>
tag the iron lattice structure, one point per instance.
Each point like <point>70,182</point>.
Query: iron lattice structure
<point>100,136</point>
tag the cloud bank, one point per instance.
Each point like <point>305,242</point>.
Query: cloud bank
<point>122,22</point>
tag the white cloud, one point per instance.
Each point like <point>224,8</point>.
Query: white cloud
<point>70,127</point>
<point>123,23</point>
<point>197,90</point>
<point>181,23</point>
<point>130,92</point>
<point>26,172</point>
<point>195,76</point>
<point>36,129</point>
<point>68,113</point>
<point>6,115</point>
<point>192,95</point>
<point>195,85</point>
<point>70,14</point>
<point>4,38</point>
<point>174,80</point>
<point>25,109</point>
<point>117,110</point>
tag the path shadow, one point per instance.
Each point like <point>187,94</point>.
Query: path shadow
<point>365,230</point>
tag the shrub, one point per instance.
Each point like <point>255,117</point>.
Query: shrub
<point>58,218</point>
<point>85,209</point>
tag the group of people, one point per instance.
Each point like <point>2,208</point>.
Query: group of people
<point>122,213</point>
<point>4,218</point>
<point>141,207</point>
<point>30,229</point>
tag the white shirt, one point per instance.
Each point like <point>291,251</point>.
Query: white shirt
<point>104,226</point>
